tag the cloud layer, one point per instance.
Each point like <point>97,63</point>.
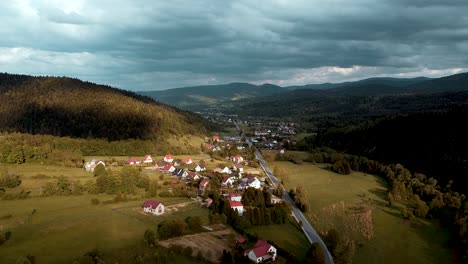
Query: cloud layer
<point>140,45</point>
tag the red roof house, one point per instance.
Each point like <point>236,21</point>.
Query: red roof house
<point>153,207</point>
<point>168,158</point>
<point>238,206</point>
<point>262,251</point>
<point>148,159</point>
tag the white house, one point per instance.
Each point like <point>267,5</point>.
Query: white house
<point>200,167</point>
<point>238,167</point>
<point>253,182</point>
<point>275,199</point>
<point>226,170</point>
<point>153,207</point>
<point>237,158</point>
<point>228,181</point>
<point>235,197</point>
<point>238,206</point>
<point>168,168</point>
<point>148,159</point>
<point>91,165</point>
<point>262,251</point>
<point>168,158</point>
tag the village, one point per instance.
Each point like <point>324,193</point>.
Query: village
<point>230,172</point>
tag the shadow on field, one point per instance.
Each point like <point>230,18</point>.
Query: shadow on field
<point>432,231</point>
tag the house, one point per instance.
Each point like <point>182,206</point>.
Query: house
<point>237,158</point>
<point>238,167</point>
<point>153,207</point>
<point>168,168</point>
<point>168,158</point>
<point>241,240</point>
<point>262,132</point>
<point>226,170</point>
<point>200,167</point>
<point>178,172</point>
<point>161,164</point>
<point>216,148</point>
<point>237,206</point>
<point>275,199</point>
<point>228,181</point>
<point>203,185</point>
<point>262,251</point>
<point>253,182</point>
<point>134,161</point>
<point>215,138</point>
<point>208,202</point>
<point>91,165</point>
<point>192,176</point>
<point>187,161</point>
<point>236,197</point>
<point>177,162</point>
<point>148,159</point>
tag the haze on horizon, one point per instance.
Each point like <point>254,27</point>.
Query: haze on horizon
<point>137,45</point>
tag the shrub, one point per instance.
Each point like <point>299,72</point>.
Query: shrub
<point>95,201</point>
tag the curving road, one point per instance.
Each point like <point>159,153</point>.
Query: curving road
<point>306,227</point>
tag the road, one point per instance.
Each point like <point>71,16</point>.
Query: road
<point>308,230</point>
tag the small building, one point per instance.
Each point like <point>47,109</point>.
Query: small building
<point>153,207</point>
<point>177,162</point>
<point>91,165</point>
<point>148,159</point>
<point>134,161</point>
<point>227,181</point>
<point>235,197</point>
<point>215,138</point>
<point>168,158</point>
<point>208,202</point>
<point>237,206</point>
<point>241,240</point>
<point>226,170</point>
<point>275,199</point>
<point>192,176</point>
<point>168,168</point>
<point>253,182</point>
<point>187,161</point>
<point>238,167</point>
<point>261,252</point>
<point>200,167</point>
<point>237,159</point>
<point>203,185</point>
<point>161,164</point>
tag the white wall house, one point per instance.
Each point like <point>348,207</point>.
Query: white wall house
<point>153,207</point>
<point>262,251</point>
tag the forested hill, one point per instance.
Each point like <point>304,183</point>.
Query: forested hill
<point>433,143</point>
<point>63,106</point>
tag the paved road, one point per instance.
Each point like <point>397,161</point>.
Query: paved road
<point>306,227</point>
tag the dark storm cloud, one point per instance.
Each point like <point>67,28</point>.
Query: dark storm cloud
<point>143,45</point>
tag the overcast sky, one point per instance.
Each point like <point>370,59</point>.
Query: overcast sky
<point>154,45</point>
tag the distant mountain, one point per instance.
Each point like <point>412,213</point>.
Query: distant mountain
<point>385,81</point>
<point>62,106</point>
<point>189,97</point>
<point>358,102</point>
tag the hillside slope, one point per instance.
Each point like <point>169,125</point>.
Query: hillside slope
<point>190,97</point>
<point>62,106</point>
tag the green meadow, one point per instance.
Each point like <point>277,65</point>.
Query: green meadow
<point>382,236</point>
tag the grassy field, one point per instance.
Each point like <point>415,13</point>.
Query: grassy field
<point>287,236</point>
<point>63,228</point>
<point>333,199</point>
